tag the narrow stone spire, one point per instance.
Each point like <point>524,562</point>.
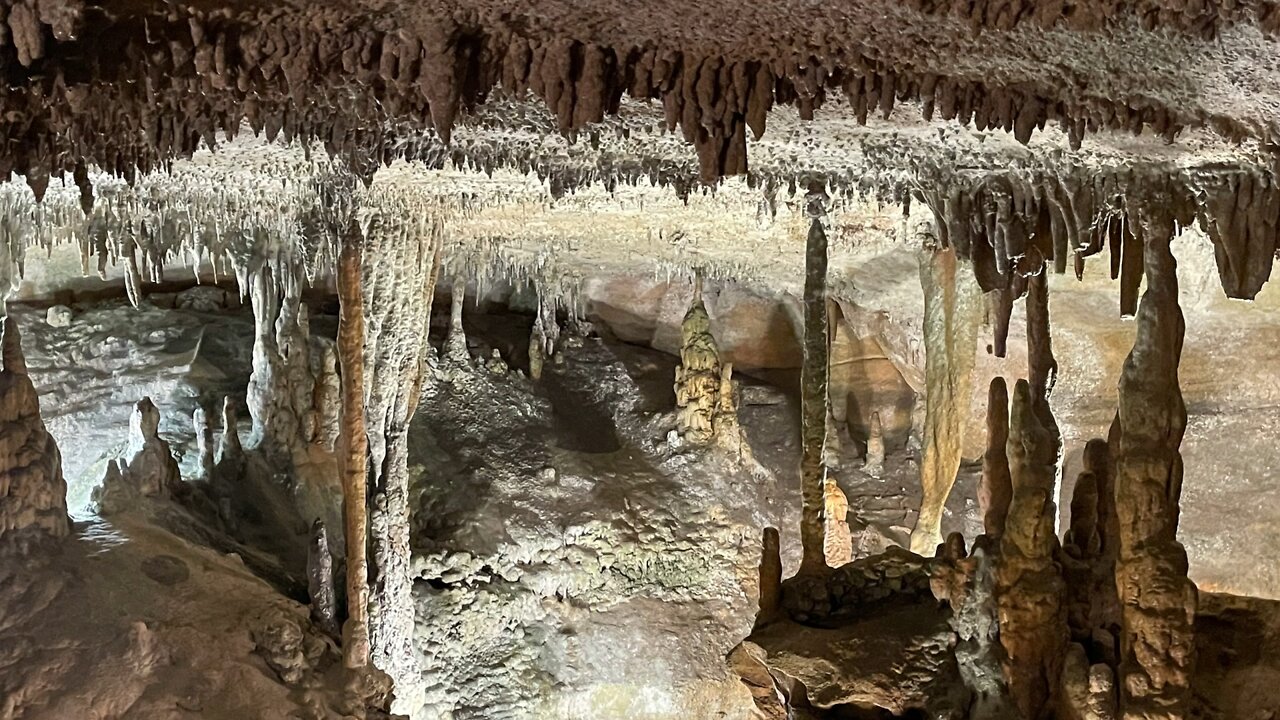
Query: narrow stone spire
<point>33,493</point>
<point>813,400</point>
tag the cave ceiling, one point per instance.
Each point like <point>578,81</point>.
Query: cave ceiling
<point>1019,125</point>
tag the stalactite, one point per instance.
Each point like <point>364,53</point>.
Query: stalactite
<point>813,398</point>
<point>950,331</point>
<point>354,445</point>
<point>1158,602</point>
<point>995,491</point>
<point>1033,626</point>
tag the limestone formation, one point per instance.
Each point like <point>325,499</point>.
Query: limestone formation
<point>150,470</point>
<point>813,399</point>
<point>837,540</point>
<point>537,349</point>
<point>204,442</point>
<point>1088,692</point>
<point>1042,368</point>
<point>950,333</point>
<point>1158,602</point>
<point>995,491</point>
<point>354,453</point>
<point>770,577</point>
<point>698,376</point>
<point>58,316</point>
<point>967,583</point>
<point>397,278</point>
<point>455,343</point>
<point>320,587</point>
<point>1029,587</point>
<point>33,494</point>
<point>873,461</point>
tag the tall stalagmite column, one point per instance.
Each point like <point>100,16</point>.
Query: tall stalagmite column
<point>813,399</point>
<point>400,267</point>
<point>1042,368</point>
<point>1029,586</point>
<point>1158,602</point>
<point>951,304</point>
<point>33,494</point>
<point>355,450</point>
<point>995,491</point>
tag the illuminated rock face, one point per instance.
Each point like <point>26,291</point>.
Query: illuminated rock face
<point>33,495</point>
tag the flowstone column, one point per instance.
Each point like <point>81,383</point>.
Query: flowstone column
<point>354,446</point>
<point>1158,602</point>
<point>399,275</point>
<point>813,400</point>
<point>951,312</point>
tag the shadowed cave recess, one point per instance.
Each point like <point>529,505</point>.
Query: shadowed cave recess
<point>591,359</point>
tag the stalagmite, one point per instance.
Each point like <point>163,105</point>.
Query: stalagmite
<point>1042,367</point>
<point>33,494</point>
<point>355,632</point>
<point>1088,692</point>
<point>770,577</point>
<point>873,461</point>
<point>813,399</point>
<point>1029,587</point>
<point>967,583</point>
<point>204,442</point>
<point>537,351</point>
<point>952,303</point>
<point>1158,602</point>
<point>697,384</point>
<point>150,470</point>
<point>324,598</point>
<point>456,341</point>
<point>995,490</point>
<point>837,540</point>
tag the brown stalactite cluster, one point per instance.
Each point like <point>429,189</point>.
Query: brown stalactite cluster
<point>1203,19</point>
<point>84,79</point>
<point>1013,231</point>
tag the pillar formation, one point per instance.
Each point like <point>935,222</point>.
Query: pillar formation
<point>354,451</point>
<point>813,399</point>
<point>951,304</point>
<point>1157,601</point>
